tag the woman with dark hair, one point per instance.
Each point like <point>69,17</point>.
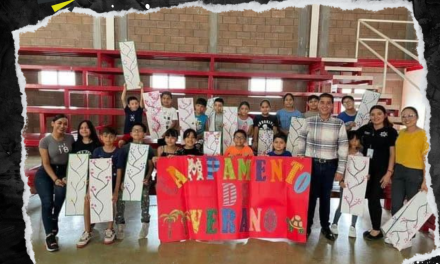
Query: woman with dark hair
<point>50,181</point>
<point>409,172</point>
<point>378,139</point>
<point>87,140</point>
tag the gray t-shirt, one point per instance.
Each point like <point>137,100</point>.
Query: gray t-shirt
<point>58,150</point>
<point>218,122</point>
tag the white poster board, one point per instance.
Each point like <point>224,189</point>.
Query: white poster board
<point>212,143</point>
<point>292,140</point>
<point>369,99</point>
<point>77,172</point>
<point>187,118</point>
<point>229,126</point>
<point>130,65</point>
<point>156,124</point>
<point>135,172</point>
<point>353,195</point>
<point>100,190</point>
<point>265,141</point>
<point>210,107</point>
<point>407,221</point>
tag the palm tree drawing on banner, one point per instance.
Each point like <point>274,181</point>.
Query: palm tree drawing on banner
<point>169,219</point>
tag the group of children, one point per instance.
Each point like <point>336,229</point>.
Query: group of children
<point>135,132</point>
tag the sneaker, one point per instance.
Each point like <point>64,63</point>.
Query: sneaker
<point>121,234</point>
<point>144,230</point>
<point>51,243</point>
<point>352,232</point>
<point>334,229</point>
<point>109,236</point>
<point>84,240</point>
<point>388,241</point>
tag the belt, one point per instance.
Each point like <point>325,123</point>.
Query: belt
<point>325,160</point>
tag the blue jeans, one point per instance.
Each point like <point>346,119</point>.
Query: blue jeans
<point>323,175</point>
<point>51,196</point>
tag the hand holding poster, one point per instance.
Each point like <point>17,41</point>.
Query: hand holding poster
<point>100,190</point>
<point>220,198</point>
<point>187,119</point>
<point>135,172</point>
<point>212,143</point>
<point>130,65</point>
<point>229,126</point>
<point>353,195</point>
<point>153,105</point>
<point>77,172</point>
<point>369,99</point>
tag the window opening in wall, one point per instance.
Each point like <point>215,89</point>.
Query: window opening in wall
<point>57,78</point>
<point>265,85</point>
<point>167,81</point>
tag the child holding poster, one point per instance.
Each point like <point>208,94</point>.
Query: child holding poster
<point>108,137</point>
<point>133,108</point>
<point>169,112</point>
<point>354,149</point>
<point>239,149</point>
<point>137,133</point>
<point>265,121</point>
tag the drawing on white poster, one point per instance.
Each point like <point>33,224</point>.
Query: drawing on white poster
<point>369,99</point>
<point>153,105</point>
<point>265,141</point>
<point>353,195</point>
<point>292,141</point>
<point>407,221</point>
<point>212,143</point>
<point>130,65</point>
<point>77,171</point>
<point>100,190</point>
<point>187,118</point>
<point>229,126</point>
<point>135,172</point>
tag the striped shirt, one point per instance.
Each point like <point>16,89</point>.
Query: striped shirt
<point>324,139</point>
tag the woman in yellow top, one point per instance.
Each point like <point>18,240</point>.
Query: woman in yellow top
<point>240,150</point>
<point>411,149</point>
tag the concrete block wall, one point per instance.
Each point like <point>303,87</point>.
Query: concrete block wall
<point>273,32</point>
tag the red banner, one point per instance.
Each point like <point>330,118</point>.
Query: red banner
<point>222,198</point>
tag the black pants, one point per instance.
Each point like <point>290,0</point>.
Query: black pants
<point>406,184</point>
<point>323,175</point>
<point>374,194</point>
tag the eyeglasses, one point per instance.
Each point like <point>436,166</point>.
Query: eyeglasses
<point>408,116</point>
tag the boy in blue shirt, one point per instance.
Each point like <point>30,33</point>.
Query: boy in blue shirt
<point>133,108</point>
<point>137,133</point>
<point>107,151</point>
<point>349,115</point>
<point>202,119</point>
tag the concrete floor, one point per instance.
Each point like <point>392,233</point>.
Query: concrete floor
<point>132,250</point>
